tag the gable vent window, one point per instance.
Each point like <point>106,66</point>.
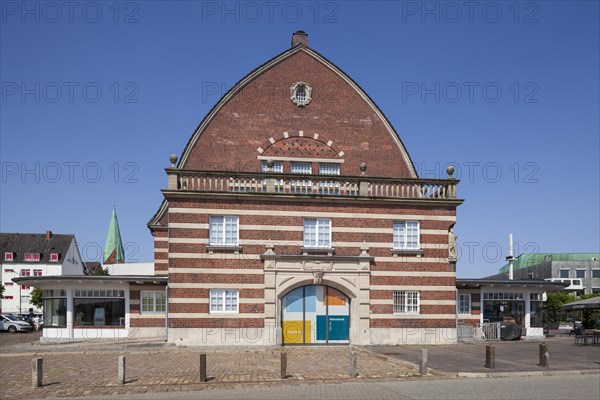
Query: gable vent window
<point>9,256</point>
<point>53,257</point>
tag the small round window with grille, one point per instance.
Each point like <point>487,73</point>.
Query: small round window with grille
<point>301,93</point>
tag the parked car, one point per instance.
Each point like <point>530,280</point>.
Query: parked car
<point>12,324</point>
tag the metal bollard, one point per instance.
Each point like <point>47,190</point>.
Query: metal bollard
<point>121,373</point>
<point>37,372</point>
<point>423,362</point>
<point>490,356</point>
<point>202,367</point>
<point>283,365</point>
<point>353,362</point>
<point>544,355</point>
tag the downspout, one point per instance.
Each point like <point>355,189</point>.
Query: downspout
<point>167,312</point>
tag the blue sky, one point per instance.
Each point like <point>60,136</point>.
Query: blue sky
<point>96,95</point>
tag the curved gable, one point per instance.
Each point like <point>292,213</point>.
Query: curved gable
<point>258,109</point>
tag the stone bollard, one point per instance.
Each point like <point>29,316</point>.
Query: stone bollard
<point>37,372</point>
<point>544,355</point>
<point>202,367</point>
<point>423,362</point>
<point>353,362</point>
<point>121,373</point>
<point>283,365</point>
<point>490,356</point>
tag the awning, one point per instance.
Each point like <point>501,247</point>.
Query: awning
<point>593,302</point>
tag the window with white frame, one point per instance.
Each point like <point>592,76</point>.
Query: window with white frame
<point>464,303</point>
<point>224,231</point>
<point>32,257</point>
<point>153,301</point>
<point>8,256</point>
<point>406,235</point>
<point>54,257</point>
<point>317,232</point>
<point>222,300</point>
<point>277,167</point>
<point>329,169</point>
<point>406,302</point>
<point>564,273</point>
<point>301,168</point>
<point>580,273</point>
<point>37,272</point>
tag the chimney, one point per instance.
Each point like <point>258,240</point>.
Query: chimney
<point>300,37</point>
<point>48,235</point>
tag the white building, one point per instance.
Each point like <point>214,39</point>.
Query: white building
<point>31,254</point>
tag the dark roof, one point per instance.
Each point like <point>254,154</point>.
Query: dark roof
<point>477,283</point>
<point>91,267</point>
<point>21,243</point>
<point>32,280</point>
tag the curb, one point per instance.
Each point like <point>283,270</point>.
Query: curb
<point>525,373</point>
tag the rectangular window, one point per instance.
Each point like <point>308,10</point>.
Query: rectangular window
<point>317,233</point>
<point>301,168</point>
<point>153,301</point>
<point>37,272</point>
<point>32,256</point>
<point>99,311</point>
<point>9,270</point>
<point>304,185</point>
<point>406,302</point>
<point>25,300</point>
<point>223,300</point>
<point>8,283</point>
<point>406,235</point>
<point>8,297</point>
<point>25,272</point>
<point>8,256</point>
<point>596,273</point>
<point>54,257</point>
<point>55,311</point>
<point>580,273</point>
<point>329,169</point>
<point>564,273</point>
<point>464,303</point>
<point>224,231</point>
<point>277,167</point>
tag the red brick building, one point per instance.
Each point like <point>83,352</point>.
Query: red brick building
<point>295,216</point>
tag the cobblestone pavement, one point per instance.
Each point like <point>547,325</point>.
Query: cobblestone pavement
<point>83,373</point>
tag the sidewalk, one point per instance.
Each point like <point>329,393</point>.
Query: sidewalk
<point>516,357</point>
<point>169,368</point>
<point>90,369</point>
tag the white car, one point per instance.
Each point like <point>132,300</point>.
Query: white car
<point>13,324</point>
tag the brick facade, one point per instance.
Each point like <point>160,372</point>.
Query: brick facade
<point>257,121</point>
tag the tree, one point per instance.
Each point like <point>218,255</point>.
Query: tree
<point>553,303</point>
<point>102,272</point>
<point>587,316</point>
<point>37,298</point>
<point>2,291</point>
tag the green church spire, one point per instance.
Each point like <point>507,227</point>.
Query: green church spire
<point>113,250</point>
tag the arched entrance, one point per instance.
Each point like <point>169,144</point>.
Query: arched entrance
<point>315,314</point>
